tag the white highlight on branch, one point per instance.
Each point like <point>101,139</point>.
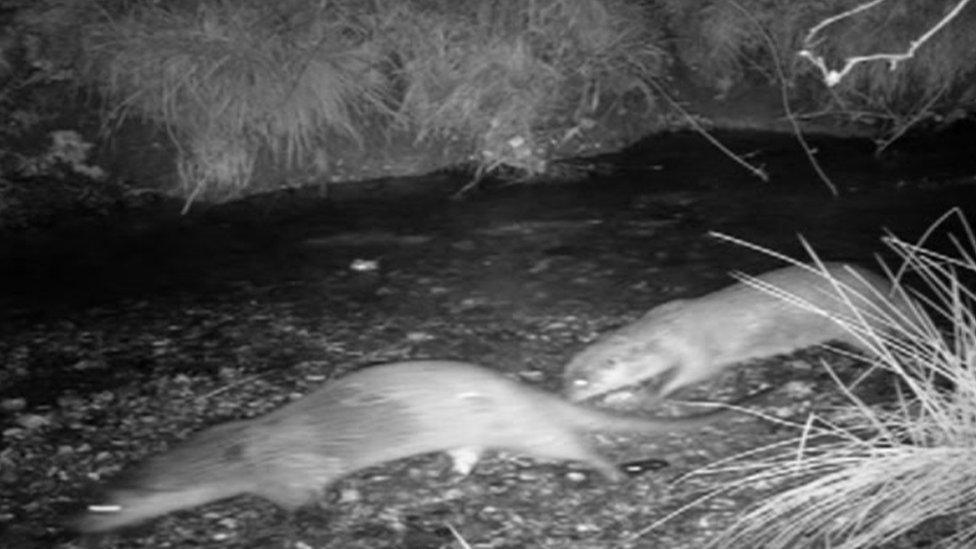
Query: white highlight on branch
<point>833,77</point>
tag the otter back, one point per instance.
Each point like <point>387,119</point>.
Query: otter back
<point>369,417</point>
<point>691,340</point>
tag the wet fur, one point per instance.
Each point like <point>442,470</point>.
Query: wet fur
<point>687,341</point>
<point>369,417</point>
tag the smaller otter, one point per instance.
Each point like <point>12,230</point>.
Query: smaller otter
<point>686,341</point>
<point>363,419</point>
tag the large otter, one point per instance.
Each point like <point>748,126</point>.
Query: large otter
<point>375,415</point>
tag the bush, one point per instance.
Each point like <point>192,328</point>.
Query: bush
<point>232,80</point>
<point>727,42</point>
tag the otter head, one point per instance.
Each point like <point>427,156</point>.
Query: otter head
<point>616,363</point>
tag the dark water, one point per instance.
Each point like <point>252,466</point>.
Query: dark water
<point>666,195</point>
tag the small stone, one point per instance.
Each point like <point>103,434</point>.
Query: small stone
<point>33,421</point>
<point>639,467</point>
<point>452,494</point>
<point>577,477</point>
<point>89,364</point>
<point>361,265</point>
<point>13,404</point>
<point>586,528</point>
<point>532,375</point>
<point>622,397</point>
<point>491,513</point>
<point>415,337</point>
<point>799,389</point>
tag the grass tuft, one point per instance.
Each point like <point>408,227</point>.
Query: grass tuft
<point>866,474</point>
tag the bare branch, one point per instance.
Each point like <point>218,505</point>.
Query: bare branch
<point>808,41</point>
<point>757,171</point>
<point>833,77</point>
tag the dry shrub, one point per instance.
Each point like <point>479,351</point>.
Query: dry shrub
<point>943,66</point>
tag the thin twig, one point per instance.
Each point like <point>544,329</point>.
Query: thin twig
<point>756,170</point>
<point>915,119</point>
<point>785,99</point>
<point>832,77</point>
<point>834,18</point>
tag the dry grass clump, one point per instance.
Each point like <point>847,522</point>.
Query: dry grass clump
<point>504,72</point>
<point>232,80</point>
<point>866,475</point>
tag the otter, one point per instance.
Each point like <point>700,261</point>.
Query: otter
<point>687,341</point>
<point>366,418</point>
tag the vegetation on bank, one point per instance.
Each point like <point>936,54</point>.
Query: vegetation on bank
<point>297,80</point>
<point>299,87</point>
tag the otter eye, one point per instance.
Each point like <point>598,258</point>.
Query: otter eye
<point>580,382</point>
<point>105,508</point>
